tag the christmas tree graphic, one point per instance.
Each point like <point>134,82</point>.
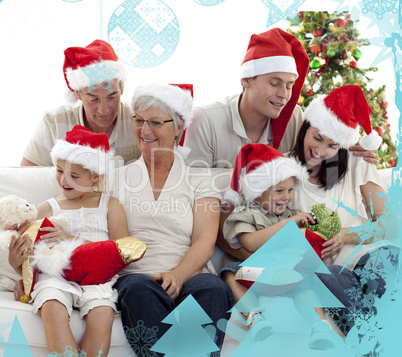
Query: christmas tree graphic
<point>187,336</point>
<point>287,292</point>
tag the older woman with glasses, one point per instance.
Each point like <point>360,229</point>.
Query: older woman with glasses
<point>175,211</point>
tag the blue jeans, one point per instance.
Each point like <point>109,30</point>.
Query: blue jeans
<point>144,304</point>
<point>359,289</point>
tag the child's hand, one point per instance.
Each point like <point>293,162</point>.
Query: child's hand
<point>55,234</point>
<point>16,253</point>
<point>303,218</point>
<point>18,290</point>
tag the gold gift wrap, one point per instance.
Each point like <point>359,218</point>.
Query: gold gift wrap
<point>130,249</point>
<point>27,271</point>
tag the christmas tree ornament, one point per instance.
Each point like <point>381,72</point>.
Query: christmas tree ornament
<point>353,64</point>
<point>383,105</point>
<point>314,64</point>
<point>300,101</point>
<point>340,23</point>
<point>392,163</point>
<point>380,153</point>
<point>379,130</point>
<point>317,33</point>
<point>309,93</point>
<point>357,54</point>
<point>331,53</point>
<point>322,61</point>
<point>144,34</point>
<point>315,48</point>
<point>387,126</point>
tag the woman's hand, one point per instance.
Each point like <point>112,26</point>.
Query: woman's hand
<point>55,234</point>
<point>332,246</point>
<point>171,282</point>
<point>303,218</point>
<point>16,253</point>
<point>371,156</point>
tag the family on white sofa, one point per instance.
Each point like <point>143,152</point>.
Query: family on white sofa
<point>36,184</point>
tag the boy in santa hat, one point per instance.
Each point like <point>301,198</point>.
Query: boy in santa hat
<point>95,79</point>
<point>262,190</point>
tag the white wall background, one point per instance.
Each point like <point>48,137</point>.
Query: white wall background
<point>212,44</point>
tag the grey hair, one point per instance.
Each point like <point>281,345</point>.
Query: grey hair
<point>146,102</point>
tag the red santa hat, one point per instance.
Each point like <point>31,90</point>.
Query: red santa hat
<point>259,167</point>
<point>177,97</point>
<point>277,51</point>
<point>83,147</point>
<point>336,116</point>
<point>98,53</point>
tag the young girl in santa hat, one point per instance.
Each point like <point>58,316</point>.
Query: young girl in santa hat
<point>81,161</point>
<point>262,190</point>
<point>352,187</point>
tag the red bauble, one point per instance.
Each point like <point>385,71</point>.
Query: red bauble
<point>392,163</point>
<point>317,33</point>
<point>353,64</point>
<point>387,126</point>
<point>301,14</point>
<point>309,93</point>
<point>383,105</point>
<point>379,130</point>
<point>314,48</point>
<point>340,23</point>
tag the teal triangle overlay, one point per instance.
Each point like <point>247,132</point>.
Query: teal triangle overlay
<point>289,263</point>
<point>17,344</point>
<point>186,337</point>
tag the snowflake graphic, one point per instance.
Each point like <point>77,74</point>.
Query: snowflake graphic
<point>351,6</point>
<point>281,9</point>
<point>209,2</point>
<point>380,7</point>
<point>141,339</point>
<point>354,293</point>
<point>369,300</point>
<point>333,311</point>
<point>69,352</point>
<point>365,275</point>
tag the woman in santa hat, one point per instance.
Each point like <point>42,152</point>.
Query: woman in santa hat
<point>350,186</point>
<point>175,211</point>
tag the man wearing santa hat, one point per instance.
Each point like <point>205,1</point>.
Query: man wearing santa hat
<point>95,79</point>
<point>272,75</point>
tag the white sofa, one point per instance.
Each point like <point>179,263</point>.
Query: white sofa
<point>37,184</point>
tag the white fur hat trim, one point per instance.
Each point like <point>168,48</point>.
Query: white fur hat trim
<point>94,160</point>
<point>253,184</point>
<point>177,99</point>
<point>325,120</point>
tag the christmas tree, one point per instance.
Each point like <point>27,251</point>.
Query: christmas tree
<point>333,44</point>
<point>186,337</point>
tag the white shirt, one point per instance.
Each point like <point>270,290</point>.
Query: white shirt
<point>217,134</point>
<point>165,225</point>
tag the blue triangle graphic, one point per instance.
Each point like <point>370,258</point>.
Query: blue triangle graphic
<point>17,344</point>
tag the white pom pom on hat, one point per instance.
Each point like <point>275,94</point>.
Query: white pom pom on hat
<point>338,114</point>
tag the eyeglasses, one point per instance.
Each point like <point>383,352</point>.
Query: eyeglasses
<point>153,124</point>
